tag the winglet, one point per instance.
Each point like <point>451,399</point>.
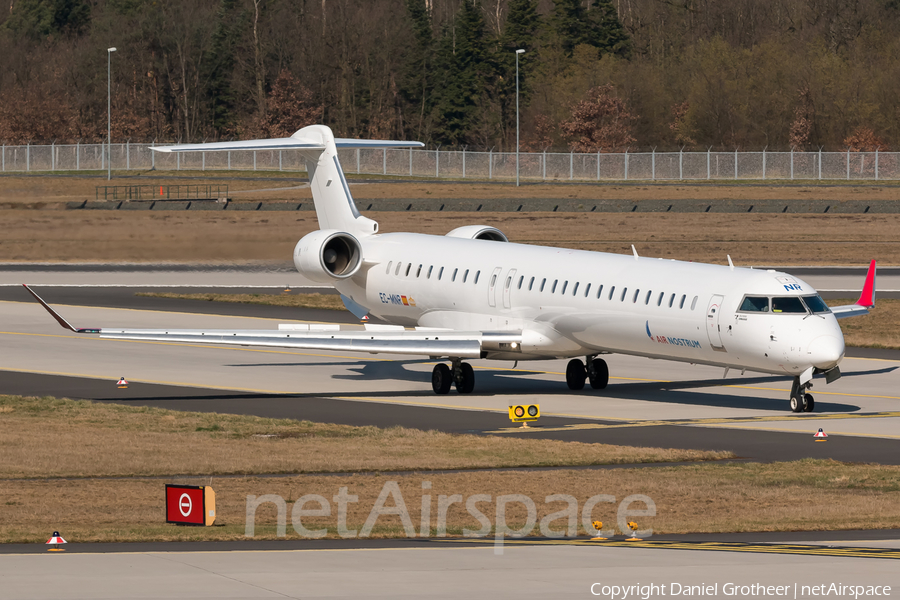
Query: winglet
<point>867,297</point>
<point>59,319</point>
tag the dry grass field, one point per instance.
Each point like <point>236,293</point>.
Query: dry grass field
<point>76,486</point>
<point>45,235</point>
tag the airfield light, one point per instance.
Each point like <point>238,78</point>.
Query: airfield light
<point>109,52</point>
<point>518,52</point>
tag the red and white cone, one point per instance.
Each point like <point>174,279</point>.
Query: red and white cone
<point>122,383</point>
<point>820,436</point>
<point>55,540</point>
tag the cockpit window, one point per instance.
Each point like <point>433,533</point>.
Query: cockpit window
<point>755,304</point>
<point>791,304</point>
<point>816,304</point>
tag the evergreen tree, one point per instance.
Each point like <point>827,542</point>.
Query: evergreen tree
<point>417,83</point>
<point>464,70</point>
<point>519,33</point>
<point>606,31</point>
<point>42,18</point>
<point>570,24</point>
<point>220,61</point>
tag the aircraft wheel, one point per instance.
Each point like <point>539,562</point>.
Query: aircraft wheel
<point>441,379</point>
<point>466,381</point>
<point>575,374</point>
<point>809,403</point>
<point>599,377</point>
<point>796,404</point>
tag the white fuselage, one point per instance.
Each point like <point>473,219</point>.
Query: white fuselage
<point>576,303</point>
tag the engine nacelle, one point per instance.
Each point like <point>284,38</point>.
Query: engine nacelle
<point>328,254</point>
<point>478,232</point>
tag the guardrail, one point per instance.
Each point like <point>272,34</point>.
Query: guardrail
<point>161,192</point>
<point>462,164</point>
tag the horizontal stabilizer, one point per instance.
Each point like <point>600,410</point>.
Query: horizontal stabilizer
<point>294,142</point>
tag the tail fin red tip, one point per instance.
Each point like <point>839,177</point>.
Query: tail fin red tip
<point>867,297</point>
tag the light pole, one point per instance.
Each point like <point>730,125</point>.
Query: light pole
<point>518,52</point>
<point>109,52</point>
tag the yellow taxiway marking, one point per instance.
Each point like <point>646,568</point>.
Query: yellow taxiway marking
<point>807,549</point>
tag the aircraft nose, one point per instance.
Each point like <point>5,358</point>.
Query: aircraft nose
<point>825,352</point>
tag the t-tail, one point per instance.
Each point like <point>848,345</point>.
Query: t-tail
<point>335,208</point>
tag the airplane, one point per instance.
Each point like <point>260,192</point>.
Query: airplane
<point>473,294</point>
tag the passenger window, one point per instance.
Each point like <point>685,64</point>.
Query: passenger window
<point>599,291</point>
<point>388,270</point>
<point>661,295</point>
<point>636,293</point>
<point>477,275</point>
<point>587,290</point>
<point>612,291</point>
<point>563,291</point>
<point>493,280</point>
<point>408,267</point>
<point>553,289</point>
<point>465,275</point>
<point>671,300</point>
<point>647,299</point>
<point>521,280</point>
<point>440,273</point>
<point>694,302</point>
<point>755,304</point>
<point>816,304</point>
<point>419,271</point>
<point>508,282</point>
<point>455,271</point>
<point>531,284</point>
<point>430,269</point>
<point>624,291</point>
<point>397,272</point>
<point>791,304</point>
<point>683,298</point>
<point>543,282</point>
<point>575,289</point>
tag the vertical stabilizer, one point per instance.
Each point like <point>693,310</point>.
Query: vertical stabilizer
<point>335,208</point>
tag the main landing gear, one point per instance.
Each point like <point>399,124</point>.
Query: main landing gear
<point>462,375</point>
<point>801,400</point>
<point>597,372</point>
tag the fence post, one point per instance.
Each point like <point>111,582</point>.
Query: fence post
<point>464,162</point>
<point>178,161</point>
<point>653,164</point>
<point>544,166</point>
<point>491,163</point>
<point>681,163</point>
<point>384,161</point>
<point>153,156</point>
<point>437,162</point>
<point>128,154</point>
<point>876,164</point>
<point>764,162</point>
<point>357,162</point>
<point>820,162</point>
<point>410,161</point>
<point>279,160</point>
<point>53,156</point>
<point>792,162</point>
<point>4,157</point>
<point>254,160</point>
<point>598,164</point>
<point>626,164</point>
<point>848,164</point>
<point>571,163</point>
<point>28,157</point>
<point>229,160</point>
<point>735,164</point>
<point>707,162</point>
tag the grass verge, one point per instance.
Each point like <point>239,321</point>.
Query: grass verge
<point>314,300</point>
<point>157,442</point>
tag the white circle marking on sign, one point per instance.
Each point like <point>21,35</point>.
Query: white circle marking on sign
<point>185,505</point>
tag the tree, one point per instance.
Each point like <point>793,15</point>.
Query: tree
<point>417,82</point>
<point>42,18</point>
<point>599,27</point>
<point>290,107</point>
<point>601,121</point>
<point>520,33</point>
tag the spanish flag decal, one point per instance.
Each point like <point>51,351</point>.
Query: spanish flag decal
<point>403,299</point>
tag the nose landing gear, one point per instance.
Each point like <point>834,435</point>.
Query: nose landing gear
<point>801,400</point>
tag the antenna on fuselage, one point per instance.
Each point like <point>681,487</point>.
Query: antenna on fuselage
<point>730,264</point>
<point>634,250</point>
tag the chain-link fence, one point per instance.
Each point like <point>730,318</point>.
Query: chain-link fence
<point>460,164</point>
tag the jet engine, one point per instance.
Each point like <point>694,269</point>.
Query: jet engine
<point>478,232</point>
<point>327,254</point>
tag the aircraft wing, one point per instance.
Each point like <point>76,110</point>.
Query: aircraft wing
<point>372,339</point>
<point>866,298</point>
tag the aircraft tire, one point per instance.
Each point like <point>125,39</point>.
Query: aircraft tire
<point>796,404</point>
<point>467,382</point>
<point>441,379</point>
<point>600,378</point>
<point>809,403</point>
<point>575,374</point>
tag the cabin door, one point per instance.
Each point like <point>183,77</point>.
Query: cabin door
<point>713,329</point>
